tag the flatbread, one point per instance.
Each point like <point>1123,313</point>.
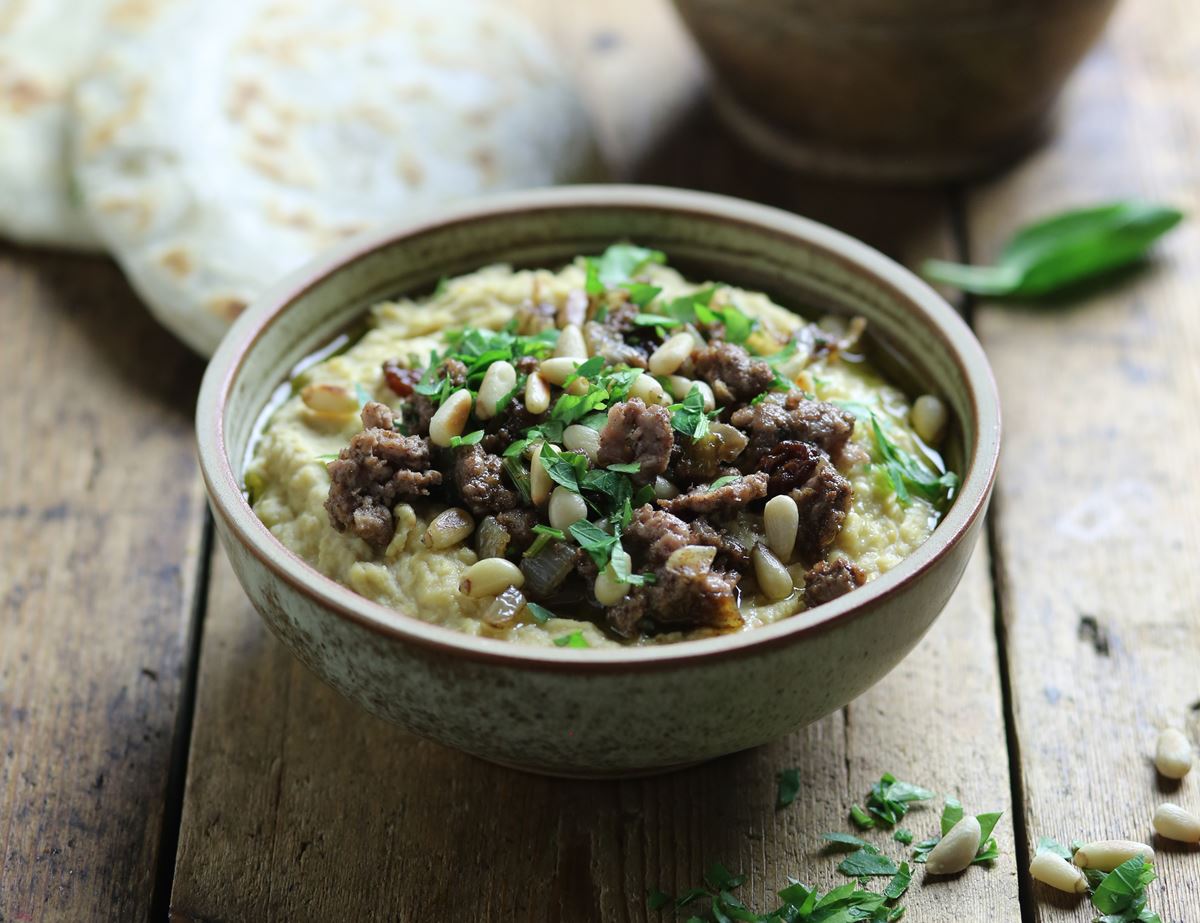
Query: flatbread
<point>230,141</point>
<point>44,44</point>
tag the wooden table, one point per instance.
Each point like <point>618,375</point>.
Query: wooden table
<point>161,753</point>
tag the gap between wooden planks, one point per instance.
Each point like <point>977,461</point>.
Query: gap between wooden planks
<point>300,806</point>
<point>1098,502</point>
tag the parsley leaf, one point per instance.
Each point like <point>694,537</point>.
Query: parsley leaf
<point>906,472</point>
<point>844,842</point>
<point>642,294</point>
<point>720,878</point>
<point>1121,894</point>
<point>903,835</point>
<point>789,787</point>
<point>1048,844</point>
<point>952,813</point>
<point>688,416</point>
<point>655,320</point>
<point>889,799</point>
<point>618,265</point>
<point>332,456</point>
<point>899,884</point>
<point>867,862</point>
<point>861,818</point>
<point>574,639</point>
<point>565,468</point>
<point>540,614</point>
<point>594,540</point>
<point>722,481</point>
<point>545,535</point>
<point>469,439</point>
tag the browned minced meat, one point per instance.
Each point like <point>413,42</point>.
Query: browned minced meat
<point>684,597</point>
<point>607,338</point>
<point>822,493</point>
<point>519,526</point>
<point>791,416</point>
<point>477,479</point>
<point>526,365</point>
<point>400,379</point>
<point>376,470</point>
<point>638,433</point>
<point>508,426</point>
<point>734,374</point>
<point>730,552</point>
<point>653,535</point>
<point>827,580</point>
<point>724,501</point>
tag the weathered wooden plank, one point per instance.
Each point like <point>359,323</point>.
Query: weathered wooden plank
<point>299,806</point>
<point>100,526</point>
<point>1098,503</point>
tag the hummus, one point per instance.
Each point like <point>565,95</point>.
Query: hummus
<point>288,477</point>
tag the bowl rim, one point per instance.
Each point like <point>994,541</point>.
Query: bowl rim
<point>229,504</point>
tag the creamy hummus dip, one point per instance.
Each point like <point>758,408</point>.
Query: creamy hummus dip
<point>717,462</point>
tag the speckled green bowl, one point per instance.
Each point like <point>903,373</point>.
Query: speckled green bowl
<point>601,712</point>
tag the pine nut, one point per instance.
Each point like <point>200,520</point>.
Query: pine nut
<point>957,848</point>
<point>692,558</point>
<point>781,519</point>
<point>1175,823</point>
<point>679,386</point>
<point>490,577</point>
<point>578,386</point>
<point>647,390</point>
<point>1106,855</point>
<point>1052,869</point>
<point>570,343</point>
<point>580,438</point>
<point>1173,755</point>
<point>498,381</point>
<point>540,482</point>
<point>451,418</point>
<point>558,369</point>
<point>667,359</point>
<point>566,507</point>
<point>664,489</point>
<point>330,399</point>
<point>710,401</point>
<point>448,528</point>
<point>773,578</point>
<point>928,417</point>
<point>608,589</point>
<point>537,393</point>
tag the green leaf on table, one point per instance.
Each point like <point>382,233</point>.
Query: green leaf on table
<point>1064,249</point>
<point>845,842</point>
<point>861,818</point>
<point>903,835</point>
<point>1121,894</point>
<point>720,878</point>
<point>788,787</point>
<point>889,798</point>
<point>867,861</point>
<point>952,813</point>
<point>1050,845</point>
<point>899,884</point>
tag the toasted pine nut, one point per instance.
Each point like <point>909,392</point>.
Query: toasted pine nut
<point>664,489</point>
<point>1052,869</point>
<point>781,519</point>
<point>537,393</point>
<point>448,528</point>
<point>570,343</point>
<point>1173,754</point>
<point>710,401</point>
<point>647,390</point>
<point>498,381</point>
<point>928,417</point>
<point>773,578</point>
<point>331,399</point>
<point>957,848</point>
<point>490,577</point>
<point>540,482</point>
<point>566,507</point>
<point>692,557</point>
<point>579,386</point>
<point>670,355</point>
<point>608,589</point>
<point>558,369</point>
<point>578,437</point>
<point>451,418</point>
<point>679,386</point>
<point>1106,855</point>
<point>1175,823</point>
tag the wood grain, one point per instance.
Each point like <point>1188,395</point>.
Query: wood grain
<point>1098,504</point>
<point>301,807</point>
<point>100,525</point>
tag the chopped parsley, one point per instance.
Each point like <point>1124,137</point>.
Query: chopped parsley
<point>899,884</point>
<point>722,481</point>
<point>789,787</point>
<point>545,535</point>
<point>903,835</point>
<point>469,439</point>
<point>617,266</point>
<point>574,639</point>
<point>888,801</point>
<point>688,416</point>
<point>332,456</point>
<point>594,540</point>
<point>844,842</point>
<point>642,294</point>
<point>907,473</point>
<point>867,862</point>
<point>1121,894</point>
<point>540,614</point>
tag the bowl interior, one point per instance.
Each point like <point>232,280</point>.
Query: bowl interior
<point>914,334</point>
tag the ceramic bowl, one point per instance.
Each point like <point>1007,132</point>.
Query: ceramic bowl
<point>877,89</point>
<point>601,712</point>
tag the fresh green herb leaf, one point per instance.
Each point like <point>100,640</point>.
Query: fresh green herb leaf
<point>987,823</point>
<point>690,897</point>
<point>589,368</point>
<point>722,481</point>
<point>889,798</point>
<point>922,850</point>
<point>952,813</point>
<point>519,476</point>
<point>545,535</point>
<point>540,614</point>
<point>657,900</point>
<point>867,863</point>
<point>655,320</point>
<point>1057,252</point>
<point>1050,845</point>
<point>574,639</point>
<point>642,294</point>
<point>738,326</point>
<point>619,264</point>
<point>592,284</point>
<point>693,308</point>
<point>845,842</point>
<point>332,456</point>
<point>515,449</point>
<point>594,540</point>
<point>906,472</point>
<point>788,787</point>
<point>720,878</point>
<point>622,567</point>
<point>899,884</point>
<point>471,438</point>
<point>1121,894</point>
<point>564,468</point>
<point>688,416</point>
<point>903,835</point>
<point>625,467</point>
<point>861,818</point>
